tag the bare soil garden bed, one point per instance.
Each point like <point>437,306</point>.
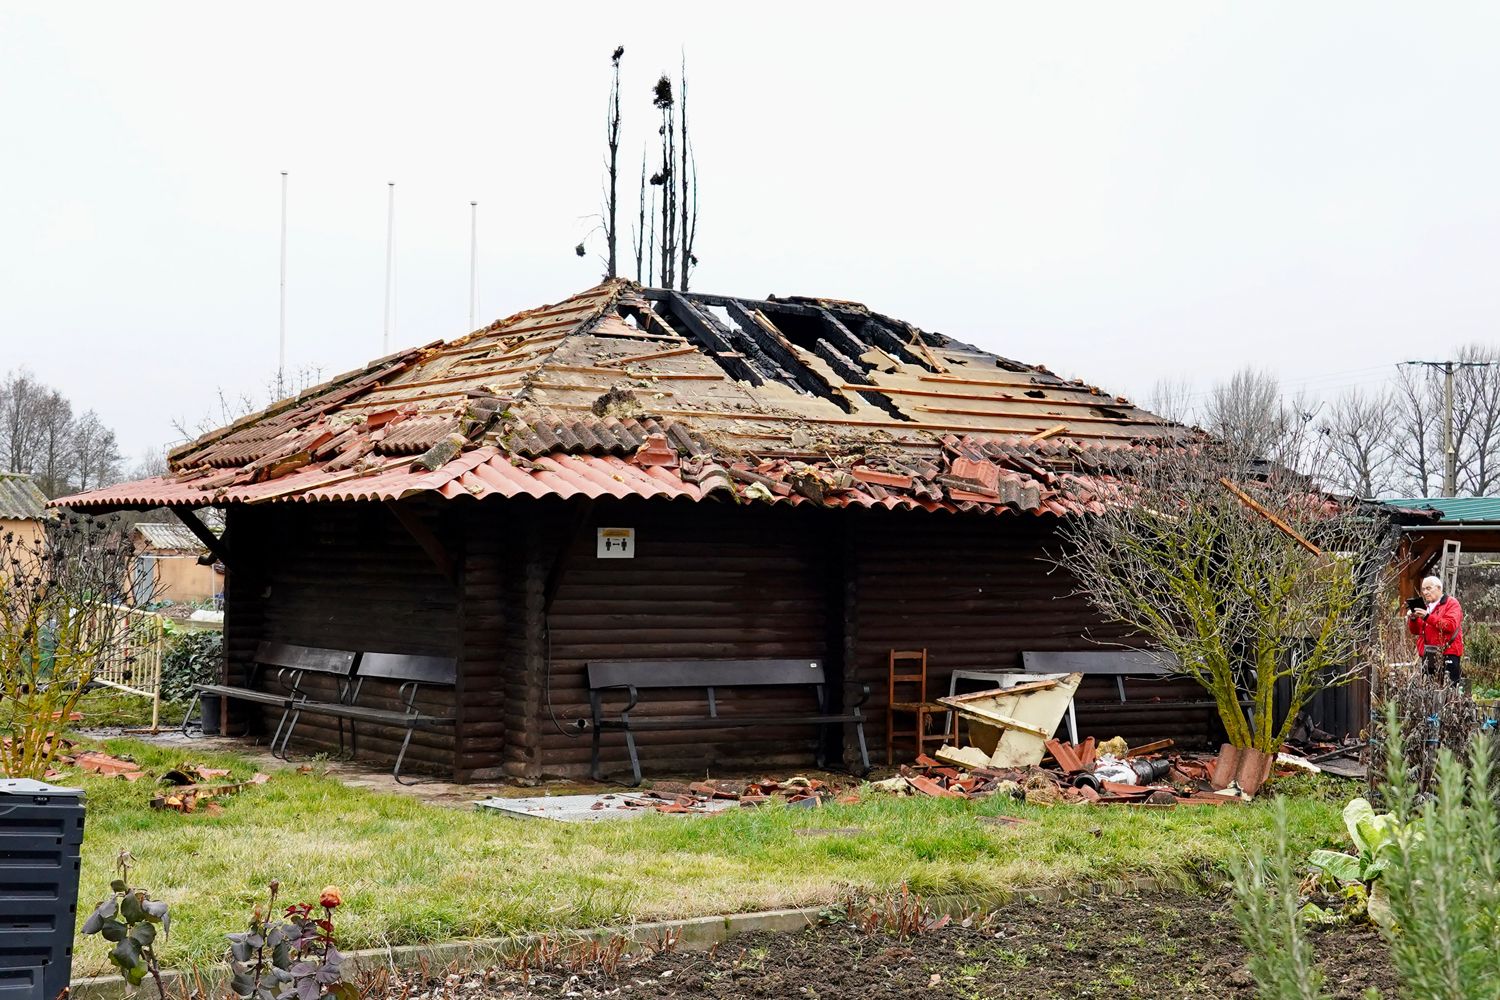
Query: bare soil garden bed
<point>1160,946</point>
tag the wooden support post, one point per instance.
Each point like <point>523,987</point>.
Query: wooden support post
<point>839,603</point>
<point>216,545</point>
<point>424,537</point>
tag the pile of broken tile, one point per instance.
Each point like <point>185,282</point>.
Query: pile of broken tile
<point>1090,773</point>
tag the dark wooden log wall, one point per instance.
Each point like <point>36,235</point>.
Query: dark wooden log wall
<point>530,604</point>
<point>977,591</point>
<point>350,576</point>
<point>709,581</point>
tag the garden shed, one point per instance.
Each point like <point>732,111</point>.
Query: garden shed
<point>170,565</point>
<point>644,474</point>
<point>23,506</point>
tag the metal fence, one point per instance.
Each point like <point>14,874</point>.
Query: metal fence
<point>134,666</point>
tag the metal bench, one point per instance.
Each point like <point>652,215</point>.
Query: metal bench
<point>630,676</point>
<point>1121,665</point>
<point>292,664</point>
<point>1116,663</point>
<point>412,672</point>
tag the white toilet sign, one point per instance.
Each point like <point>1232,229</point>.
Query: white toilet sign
<point>616,543</point>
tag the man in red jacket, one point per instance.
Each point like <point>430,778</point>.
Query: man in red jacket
<point>1439,629</point>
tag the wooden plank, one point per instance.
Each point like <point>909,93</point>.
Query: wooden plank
<point>652,356</point>
<point>1254,505</point>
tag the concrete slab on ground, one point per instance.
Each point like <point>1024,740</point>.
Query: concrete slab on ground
<point>588,808</point>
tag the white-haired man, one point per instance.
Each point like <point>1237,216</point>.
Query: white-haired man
<point>1439,628</point>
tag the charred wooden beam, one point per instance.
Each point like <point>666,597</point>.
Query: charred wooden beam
<point>892,339</point>
<point>770,340</point>
<point>794,308</point>
<point>425,539</point>
<point>216,546</point>
<point>884,338</point>
<point>841,335</point>
<point>711,340</point>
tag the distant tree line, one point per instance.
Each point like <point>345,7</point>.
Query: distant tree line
<point>41,435</point>
<point>1380,442</point>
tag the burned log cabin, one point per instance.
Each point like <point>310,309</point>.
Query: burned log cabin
<point>647,475</point>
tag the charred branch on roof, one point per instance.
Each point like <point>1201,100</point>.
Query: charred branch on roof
<point>663,101</point>
<point>688,183</point>
<point>641,277</point>
<point>612,138</point>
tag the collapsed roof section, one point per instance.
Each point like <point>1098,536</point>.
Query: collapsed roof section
<point>624,390</point>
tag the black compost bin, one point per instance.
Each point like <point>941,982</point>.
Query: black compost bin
<point>41,831</point>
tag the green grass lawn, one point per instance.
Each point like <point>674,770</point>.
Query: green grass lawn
<point>414,872</point>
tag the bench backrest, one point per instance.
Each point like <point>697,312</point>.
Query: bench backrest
<point>1112,662</point>
<point>338,662</point>
<point>703,673</point>
<point>441,671</point>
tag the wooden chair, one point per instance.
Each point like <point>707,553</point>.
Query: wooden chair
<point>908,696</point>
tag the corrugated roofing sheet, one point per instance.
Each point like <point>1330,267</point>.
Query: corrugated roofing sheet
<point>20,498</point>
<point>624,391</point>
<point>1455,510</point>
<point>168,537</point>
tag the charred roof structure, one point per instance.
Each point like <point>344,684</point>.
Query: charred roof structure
<point>779,462</point>
<point>628,391</point>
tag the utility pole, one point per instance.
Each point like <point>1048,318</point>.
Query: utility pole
<point>390,264</point>
<point>473,265</point>
<point>1450,455</point>
<point>281,355</point>
<point>1450,446</point>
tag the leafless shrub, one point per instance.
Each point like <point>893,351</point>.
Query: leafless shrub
<point>1431,714</point>
<point>58,617</point>
<point>1239,569</point>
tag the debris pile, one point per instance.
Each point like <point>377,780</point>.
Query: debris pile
<point>1078,773</point>
<point>193,787</point>
<point>797,791</point>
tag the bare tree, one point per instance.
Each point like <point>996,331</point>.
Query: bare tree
<point>1245,411</point>
<point>1251,415</point>
<point>152,462</point>
<point>1223,561</point>
<point>21,396</point>
<point>229,407</point>
<point>1476,419</point>
<point>663,101</point>
<point>612,134</point>
<point>52,466</point>
<point>640,228</point>
<point>96,454</point>
<point>1355,439</point>
<point>1172,398</point>
<point>1417,431</point>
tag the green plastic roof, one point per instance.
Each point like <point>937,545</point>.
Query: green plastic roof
<point>1456,510</point>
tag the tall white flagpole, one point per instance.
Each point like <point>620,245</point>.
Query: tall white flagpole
<point>390,264</point>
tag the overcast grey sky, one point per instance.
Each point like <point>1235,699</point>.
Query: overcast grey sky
<point>1119,191</point>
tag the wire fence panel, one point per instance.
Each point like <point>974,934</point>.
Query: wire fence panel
<point>134,665</point>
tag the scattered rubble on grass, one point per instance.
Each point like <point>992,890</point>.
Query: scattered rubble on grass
<point>192,787</point>
<point>678,798</point>
<point>1153,775</point>
<point>1109,773</point>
